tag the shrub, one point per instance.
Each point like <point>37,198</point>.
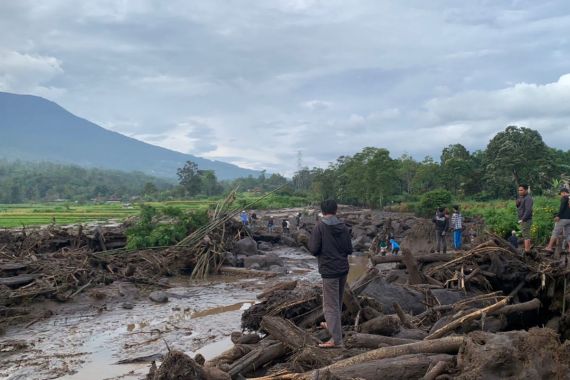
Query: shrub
<point>163,227</point>
<point>431,200</point>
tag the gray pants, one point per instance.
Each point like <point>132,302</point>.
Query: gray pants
<point>333,291</point>
<point>441,240</point>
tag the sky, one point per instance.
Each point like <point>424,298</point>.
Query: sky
<point>256,82</point>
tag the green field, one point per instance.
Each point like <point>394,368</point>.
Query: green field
<point>18,215</point>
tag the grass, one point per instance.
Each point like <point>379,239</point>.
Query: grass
<point>501,216</point>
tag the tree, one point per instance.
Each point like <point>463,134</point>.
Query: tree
<point>407,168</point>
<point>455,167</point>
<point>210,185</point>
<point>189,178</point>
<point>518,155</point>
<point>427,176</point>
<point>149,188</point>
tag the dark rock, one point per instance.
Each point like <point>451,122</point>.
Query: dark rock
<point>127,305</point>
<point>264,261</point>
<point>246,246</point>
<point>265,246</point>
<point>158,296</point>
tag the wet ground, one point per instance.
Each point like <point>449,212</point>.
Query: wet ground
<point>86,338</point>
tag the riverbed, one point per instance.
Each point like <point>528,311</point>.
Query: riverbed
<point>85,339</point>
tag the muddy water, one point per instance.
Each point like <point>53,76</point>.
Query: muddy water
<point>85,339</point>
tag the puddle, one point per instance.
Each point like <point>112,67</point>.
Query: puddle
<point>358,266</point>
<point>222,309</point>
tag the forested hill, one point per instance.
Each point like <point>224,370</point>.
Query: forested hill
<point>35,129</point>
<point>34,182</point>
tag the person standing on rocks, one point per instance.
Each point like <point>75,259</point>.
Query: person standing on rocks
<point>561,222</point>
<point>270,224</point>
<point>331,243</point>
<point>457,226</point>
<point>524,211</point>
<point>441,226</point>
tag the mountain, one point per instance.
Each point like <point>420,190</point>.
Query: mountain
<point>36,129</point>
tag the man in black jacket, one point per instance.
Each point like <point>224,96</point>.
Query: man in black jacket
<point>330,242</point>
<point>441,222</point>
<point>524,211</point>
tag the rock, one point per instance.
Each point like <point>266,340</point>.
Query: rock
<point>264,261</point>
<point>360,243</point>
<point>128,290</point>
<point>127,305</point>
<point>165,282</point>
<point>200,359</point>
<point>265,246</point>
<point>255,266</point>
<point>230,258</point>
<point>302,237</point>
<point>288,240</point>
<point>278,269</point>
<point>246,246</point>
<point>159,297</point>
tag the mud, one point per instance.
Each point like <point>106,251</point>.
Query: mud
<point>85,338</point>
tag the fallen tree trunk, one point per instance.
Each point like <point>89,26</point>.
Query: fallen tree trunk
<point>415,276</point>
<point>466,318</point>
<point>246,272</point>
<point>449,345</point>
<point>257,358</point>
<point>436,370</point>
<point>533,304</point>
<point>403,367</point>
<point>359,340</point>
<point>281,286</point>
<point>425,259</point>
<point>287,333</point>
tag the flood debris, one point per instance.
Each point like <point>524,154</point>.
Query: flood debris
<point>473,314</point>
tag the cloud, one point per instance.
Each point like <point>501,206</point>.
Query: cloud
<point>29,73</point>
<point>521,101</point>
<point>254,82</point>
<point>317,105</point>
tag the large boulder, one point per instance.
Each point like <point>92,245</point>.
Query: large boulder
<point>246,246</point>
<point>264,261</point>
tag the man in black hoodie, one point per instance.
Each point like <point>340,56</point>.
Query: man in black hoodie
<point>330,242</point>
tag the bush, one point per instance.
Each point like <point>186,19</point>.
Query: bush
<point>163,227</point>
<point>431,200</point>
<point>501,217</point>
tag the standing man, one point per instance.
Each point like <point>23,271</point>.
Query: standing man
<point>524,211</point>
<point>330,242</point>
<point>457,226</point>
<point>561,222</point>
<point>441,226</point>
<point>270,223</point>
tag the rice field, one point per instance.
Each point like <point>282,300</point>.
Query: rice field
<point>18,215</point>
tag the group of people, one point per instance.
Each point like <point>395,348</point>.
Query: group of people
<point>383,244</point>
<point>250,220</point>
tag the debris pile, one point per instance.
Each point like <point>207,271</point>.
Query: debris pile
<point>474,314</point>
